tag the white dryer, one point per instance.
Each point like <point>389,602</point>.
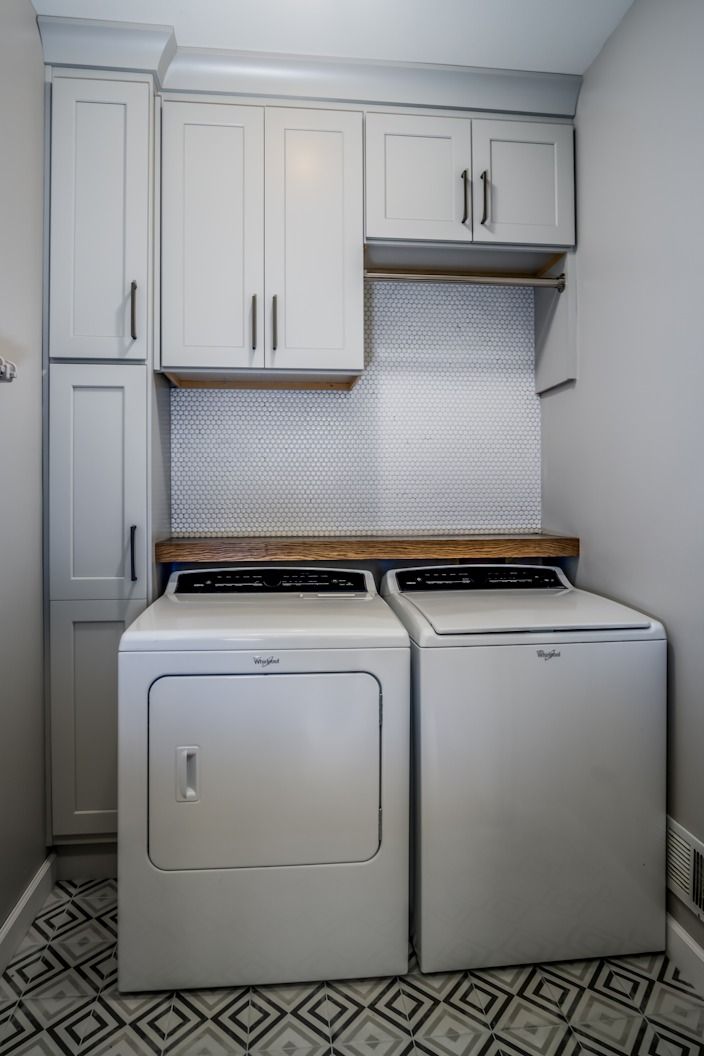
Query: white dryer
<point>263,781</point>
<point>539,745</point>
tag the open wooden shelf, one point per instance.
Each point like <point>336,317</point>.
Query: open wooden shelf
<point>363,548</point>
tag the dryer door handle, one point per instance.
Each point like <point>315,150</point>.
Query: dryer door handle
<point>187,790</point>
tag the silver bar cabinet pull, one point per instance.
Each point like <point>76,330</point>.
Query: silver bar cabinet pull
<point>485,182</point>
<point>133,310</point>
<point>275,327</point>
<point>254,322</point>
<point>465,180</point>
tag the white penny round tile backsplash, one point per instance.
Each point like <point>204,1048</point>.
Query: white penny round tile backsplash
<point>440,434</point>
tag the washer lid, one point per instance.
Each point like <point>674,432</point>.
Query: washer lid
<point>508,611</point>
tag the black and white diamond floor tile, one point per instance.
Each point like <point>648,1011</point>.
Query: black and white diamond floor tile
<point>59,997</point>
<point>478,1043</point>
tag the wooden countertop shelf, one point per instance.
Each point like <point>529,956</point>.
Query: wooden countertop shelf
<point>234,548</point>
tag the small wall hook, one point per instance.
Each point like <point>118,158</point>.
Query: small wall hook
<point>8,370</point>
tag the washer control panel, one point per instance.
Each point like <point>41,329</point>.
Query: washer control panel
<point>481,577</point>
<point>270,581</point>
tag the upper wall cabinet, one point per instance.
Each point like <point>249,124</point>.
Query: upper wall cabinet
<point>314,261</point>
<point>100,195</point>
<point>231,296</point>
<point>212,235</point>
<point>455,180</point>
<point>418,173</point>
<point>523,185</point>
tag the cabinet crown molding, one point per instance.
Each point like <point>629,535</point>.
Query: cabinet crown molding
<point>129,46</point>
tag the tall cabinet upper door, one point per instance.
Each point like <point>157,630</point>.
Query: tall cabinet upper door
<point>100,176</point>
<point>418,177</point>
<point>314,239</point>
<point>212,234</point>
<point>98,481</point>
<point>523,182</point>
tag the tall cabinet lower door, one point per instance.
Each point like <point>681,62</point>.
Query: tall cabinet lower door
<point>84,642</point>
<point>98,481</point>
<point>314,239</point>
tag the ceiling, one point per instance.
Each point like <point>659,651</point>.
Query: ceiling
<point>557,36</point>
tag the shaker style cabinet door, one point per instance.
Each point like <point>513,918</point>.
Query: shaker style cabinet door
<point>84,640</point>
<point>212,235</point>
<point>314,266</point>
<point>418,177</point>
<point>100,177</point>
<point>523,185</point>
<point>97,481</point>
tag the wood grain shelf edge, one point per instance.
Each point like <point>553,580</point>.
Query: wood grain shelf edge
<point>363,548</point>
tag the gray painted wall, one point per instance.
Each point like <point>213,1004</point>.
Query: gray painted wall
<point>21,707</point>
<point>623,448</point>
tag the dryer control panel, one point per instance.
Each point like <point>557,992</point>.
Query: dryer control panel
<point>481,577</point>
<point>270,581</point>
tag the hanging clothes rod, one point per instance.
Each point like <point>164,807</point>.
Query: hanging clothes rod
<point>555,283</point>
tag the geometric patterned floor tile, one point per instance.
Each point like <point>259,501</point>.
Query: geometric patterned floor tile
<point>75,1028</point>
<point>623,986</point>
<point>401,1046</point>
<point>680,1012</point>
<point>671,976</point>
<point>578,973</point>
<point>59,997</point>
<point>550,1040</point>
<point>651,965</point>
<point>480,1000</point>
<point>369,1029</point>
<point>68,983</point>
<point>207,1003</point>
<point>31,943</point>
<point>207,1039</point>
<point>593,1007</point>
<point>33,970</point>
<point>523,1015</point>
<point>99,971</point>
<point>97,899</point>
<point>61,919</point>
<point>369,1009</point>
<point>48,1011</point>
<point>615,1037</point>
<point>153,1025</point>
<point>511,980</point>
<point>478,1043</point>
<point>434,1003</point>
<point>126,1008</point>
<point>232,1018</point>
<point>659,1041</point>
<point>82,942</point>
<point>446,1025</point>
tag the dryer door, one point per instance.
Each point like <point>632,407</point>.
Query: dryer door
<point>263,770</point>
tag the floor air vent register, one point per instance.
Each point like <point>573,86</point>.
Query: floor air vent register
<point>685,867</point>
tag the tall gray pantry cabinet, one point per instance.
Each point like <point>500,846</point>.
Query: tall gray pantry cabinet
<point>100,342</point>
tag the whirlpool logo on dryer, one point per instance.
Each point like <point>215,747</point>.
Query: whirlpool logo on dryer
<point>266,661</point>
<point>547,654</point>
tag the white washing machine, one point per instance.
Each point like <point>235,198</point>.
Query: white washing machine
<point>263,781</point>
<point>539,765</point>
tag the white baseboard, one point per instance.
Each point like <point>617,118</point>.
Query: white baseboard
<point>687,954</point>
<point>25,910</point>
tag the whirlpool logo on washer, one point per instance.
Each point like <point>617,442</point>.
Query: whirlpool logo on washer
<point>548,654</point>
<point>266,661</point>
